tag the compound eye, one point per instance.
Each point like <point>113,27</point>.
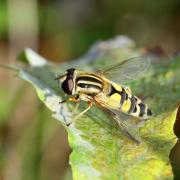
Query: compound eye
<point>68,85</point>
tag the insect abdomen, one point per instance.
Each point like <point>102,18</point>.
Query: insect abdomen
<point>140,109</point>
<point>126,102</point>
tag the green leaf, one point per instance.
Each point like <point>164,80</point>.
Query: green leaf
<point>99,149</point>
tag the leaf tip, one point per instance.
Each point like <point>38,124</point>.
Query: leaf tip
<point>31,57</point>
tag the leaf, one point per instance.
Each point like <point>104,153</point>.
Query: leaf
<point>99,150</point>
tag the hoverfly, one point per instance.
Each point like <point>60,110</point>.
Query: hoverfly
<point>105,89</point>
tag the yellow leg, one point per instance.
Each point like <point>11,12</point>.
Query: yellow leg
<point>71,99</point>
<point>82,113</point>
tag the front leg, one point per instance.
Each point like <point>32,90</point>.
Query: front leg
<point>71,99</point>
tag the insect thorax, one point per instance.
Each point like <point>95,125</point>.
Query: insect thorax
<point>88,84</point>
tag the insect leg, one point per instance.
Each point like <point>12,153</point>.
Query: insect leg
<point>71,99</point>
<point>82,113</point>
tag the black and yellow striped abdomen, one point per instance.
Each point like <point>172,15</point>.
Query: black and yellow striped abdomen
<point>110,94</point>
<point>120,98</point>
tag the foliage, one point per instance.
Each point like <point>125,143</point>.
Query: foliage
<point>100,151</point>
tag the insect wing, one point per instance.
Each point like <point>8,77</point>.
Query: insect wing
<point>127,70</point>
<point>121,120</point>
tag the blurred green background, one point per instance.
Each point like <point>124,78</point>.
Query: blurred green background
<point>33,146</point>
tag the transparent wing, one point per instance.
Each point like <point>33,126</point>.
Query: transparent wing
<point>127,70</point>
<point>122,120</point>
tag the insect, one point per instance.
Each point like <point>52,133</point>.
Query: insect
<point>105,89</point>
